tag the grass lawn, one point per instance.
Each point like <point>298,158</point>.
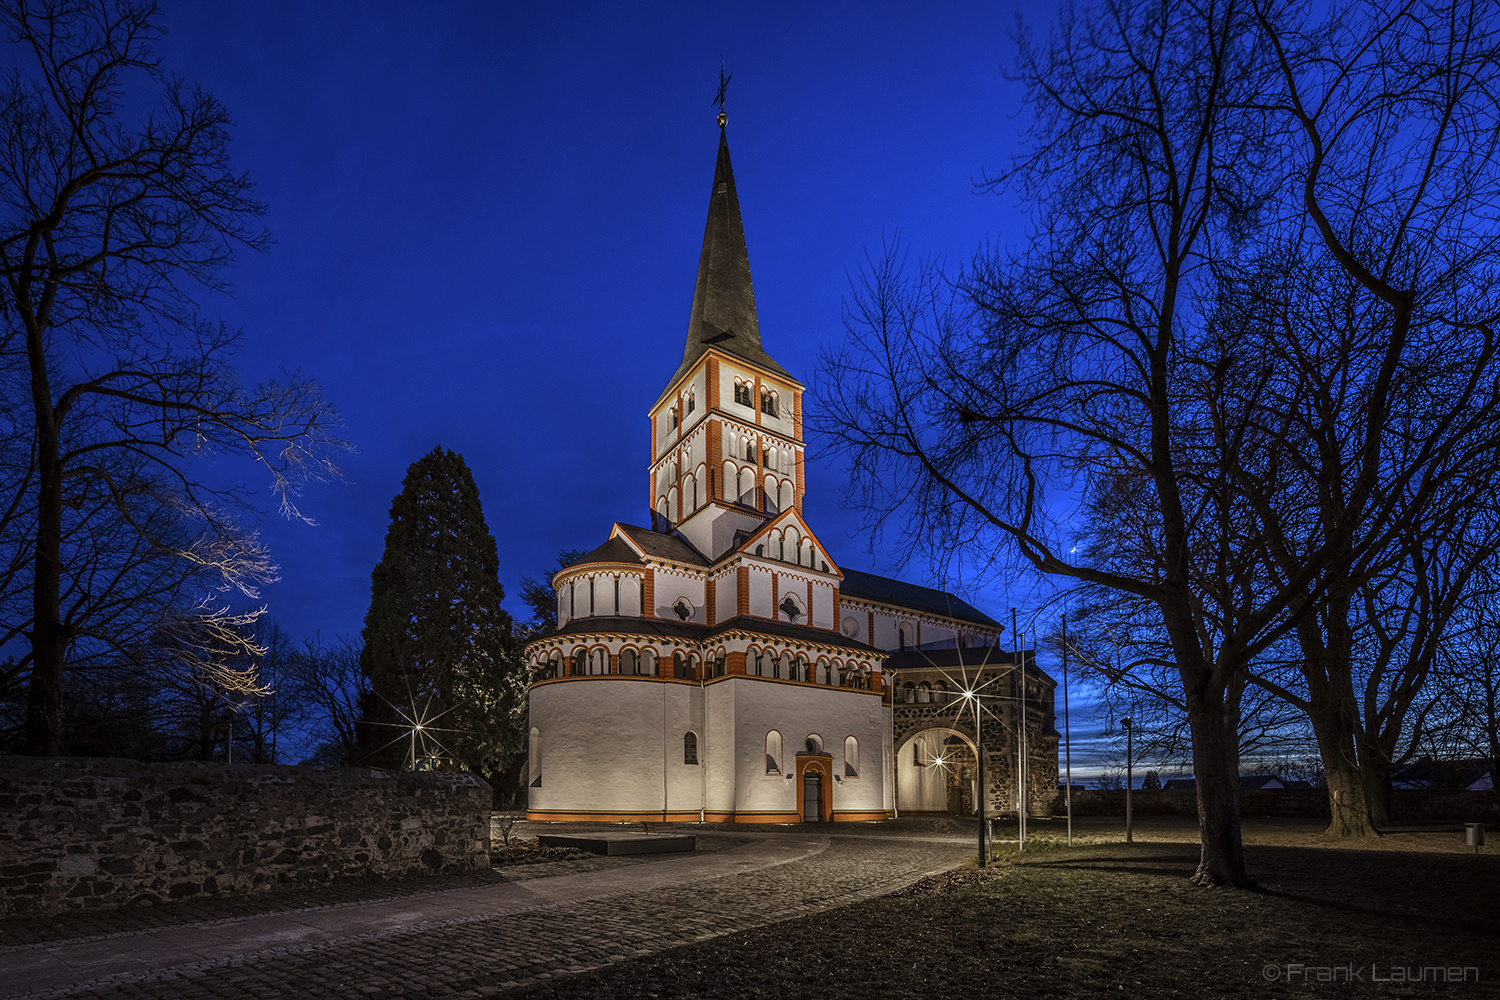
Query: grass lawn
<point>1330,918</point>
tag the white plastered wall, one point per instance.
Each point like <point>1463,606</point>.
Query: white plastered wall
<point>797,710</point>
<point>670,585</point>
<point>616,745</point>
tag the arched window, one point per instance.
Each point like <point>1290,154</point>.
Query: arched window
<point>691,403</point>
<point>901,638</point>
<point>690,748</point>
<point>799,671</point>
<point>767,402</point>
<point>534,757</point>
<point>851,757</point>
<point>742,392</point>
<point>580,662</point>
<point>680,667</point>
<point>630,663</point>
<point>909,693</point>
<point>773,752</point>
<point>598,662</point>
<point>943,694</point>
<point>672,419</point>
<point>749,449</point>
<point>924,693</point>
<point>648,663</point>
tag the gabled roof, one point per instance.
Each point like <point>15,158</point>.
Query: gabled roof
<point>869,587</point>
<point>786,517</point>
<point>723,315</point>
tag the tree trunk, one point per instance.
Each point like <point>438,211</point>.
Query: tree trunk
<point>1221,859</point>
<point>49,639</point>
<point>1377,780</point>
<point>1347,805</point>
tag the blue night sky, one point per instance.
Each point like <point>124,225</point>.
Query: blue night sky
<point>488,216</point>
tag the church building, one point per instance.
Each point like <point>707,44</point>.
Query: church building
<point>721,665</point>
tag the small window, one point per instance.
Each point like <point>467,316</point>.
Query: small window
<point>814,743</point>
<point>749,451</point>
<point>580,663</point>
<point>534,757</point>
<point>851,757</point>
<point>630,663</point>
<point>672,419</point>
<point>773,752</point>
<point>742,393</point>
<point>768,402</point>
<point>690,748</point>
<point>691,403</point>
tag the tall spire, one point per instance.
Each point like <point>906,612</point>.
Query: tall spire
<point>723,313</point>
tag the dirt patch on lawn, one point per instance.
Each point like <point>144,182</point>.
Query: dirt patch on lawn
<point>1326,920</point>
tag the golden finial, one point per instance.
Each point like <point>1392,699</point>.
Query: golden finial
<point>723,86</point>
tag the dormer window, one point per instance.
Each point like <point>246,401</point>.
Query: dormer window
<point>742,392</point>
<point>768,402</point>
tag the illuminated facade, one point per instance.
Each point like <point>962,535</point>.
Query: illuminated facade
<point>719,664</point>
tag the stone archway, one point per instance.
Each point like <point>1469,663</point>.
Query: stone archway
<point>935,772</point>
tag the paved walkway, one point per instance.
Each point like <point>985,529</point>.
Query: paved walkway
<point>486,937</point>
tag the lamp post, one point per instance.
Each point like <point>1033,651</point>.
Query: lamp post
<point>1129,778</point>
<point>979,773</point>
<point>1067,730</point>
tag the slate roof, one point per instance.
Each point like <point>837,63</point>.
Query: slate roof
<point>665,627</point>
<point>955,659</point>
<point>662,546</point>
<point>786,630</point>
<point>723,313</point>
<point>908,595</point>
<point>613,551</point>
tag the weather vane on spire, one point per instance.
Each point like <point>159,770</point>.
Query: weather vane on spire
<point>723,86</point>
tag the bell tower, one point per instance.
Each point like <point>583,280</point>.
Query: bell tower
<point>726,434</point>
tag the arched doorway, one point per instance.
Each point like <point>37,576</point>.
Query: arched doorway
<point>812,796</point>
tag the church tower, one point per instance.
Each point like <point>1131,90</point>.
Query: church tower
<point>726,433</point>
<point>720,665</point>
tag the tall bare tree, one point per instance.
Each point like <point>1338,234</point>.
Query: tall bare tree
<point>1173,143</point>
<point>110,227</point>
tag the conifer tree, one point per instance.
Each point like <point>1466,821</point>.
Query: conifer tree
<point>438,649</point>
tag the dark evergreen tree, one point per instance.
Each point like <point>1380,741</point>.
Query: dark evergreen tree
<point>446,678</point>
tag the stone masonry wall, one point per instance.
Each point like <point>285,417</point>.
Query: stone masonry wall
<point>81,833</point>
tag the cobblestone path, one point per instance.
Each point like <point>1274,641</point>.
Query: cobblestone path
<point>483,938</point>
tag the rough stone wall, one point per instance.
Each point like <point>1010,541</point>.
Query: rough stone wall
<point>81,833</point>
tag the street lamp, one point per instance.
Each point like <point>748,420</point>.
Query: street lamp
<point>979,772</point>
<point>1129,778</point>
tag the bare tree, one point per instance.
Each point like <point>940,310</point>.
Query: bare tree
<point>109,228</point>
<point>325,679</point>
<point>1173,144</point>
